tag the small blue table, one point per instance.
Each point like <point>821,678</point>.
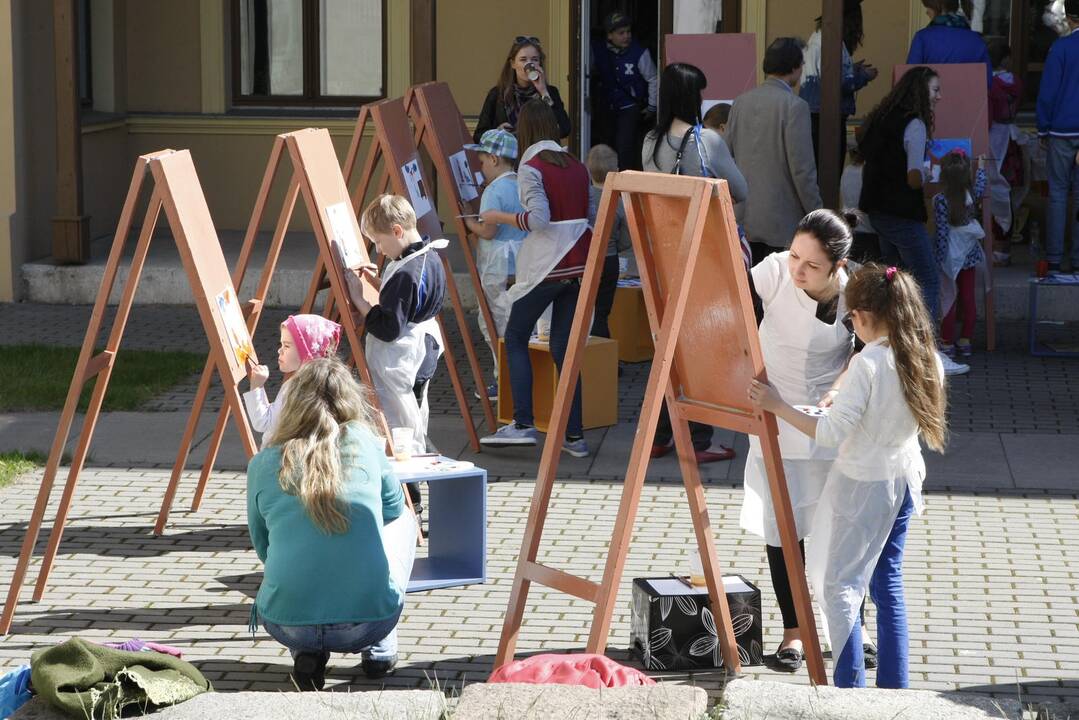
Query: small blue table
<point>1037,348</point>
<point>456,522</point>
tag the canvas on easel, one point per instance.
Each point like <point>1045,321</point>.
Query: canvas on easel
<point>707,351</point>
<point>177,191</point>
<point>963,112</point>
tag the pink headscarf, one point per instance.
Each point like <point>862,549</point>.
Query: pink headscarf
<point>314,335</point>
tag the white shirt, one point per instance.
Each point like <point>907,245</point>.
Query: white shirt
<point>263,414</point>
<point>872,425</point>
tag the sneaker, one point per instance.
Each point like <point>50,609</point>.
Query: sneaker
<point>713,454</point>
<point>510,435</point>
<point>947,349</point>
<point>492,393</point>
<point>375,669</point>
<point>964,348</point>
<point>951,367</point>
<point>577,448</point>
<point>309,670</point>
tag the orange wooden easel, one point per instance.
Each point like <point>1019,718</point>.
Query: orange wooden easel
<point>707,351</point>
<point>176,189</point>
<point>392,144</point>
<point>315,175</point>
<point>441,131</point>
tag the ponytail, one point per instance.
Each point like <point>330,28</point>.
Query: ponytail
<point>894,298</point>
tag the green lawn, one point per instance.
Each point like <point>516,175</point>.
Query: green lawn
<point>37,377</point>
<point>13,464</point>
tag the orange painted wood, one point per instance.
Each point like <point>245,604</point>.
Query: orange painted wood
<point>697,298</point>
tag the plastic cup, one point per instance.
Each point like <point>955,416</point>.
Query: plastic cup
<point>402,443</point>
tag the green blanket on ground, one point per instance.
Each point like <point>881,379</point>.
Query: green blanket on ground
<point>85,680</point>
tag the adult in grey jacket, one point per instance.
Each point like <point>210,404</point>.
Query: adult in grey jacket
<point>771,139</point>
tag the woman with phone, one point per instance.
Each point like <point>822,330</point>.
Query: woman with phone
<point>523,78</point>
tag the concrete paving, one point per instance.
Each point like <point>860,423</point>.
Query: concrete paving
<point>990,569</point>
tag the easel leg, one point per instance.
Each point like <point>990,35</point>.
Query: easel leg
<point>93,410</point>
<point>470,349</point>
<point>211,456</point>
<point>702,527</point>
<point>185,446</point>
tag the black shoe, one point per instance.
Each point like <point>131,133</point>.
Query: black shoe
<point>869,650</point>
<point>375,669</point>
<point>309,670</point>
<point>788,659</point>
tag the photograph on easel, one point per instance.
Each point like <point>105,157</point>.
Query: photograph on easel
<point>235,327</point>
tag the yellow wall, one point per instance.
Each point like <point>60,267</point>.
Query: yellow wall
<point>163,60</point>
<point>887,37</point>
<point>8,189</point>
<point>469,59</point>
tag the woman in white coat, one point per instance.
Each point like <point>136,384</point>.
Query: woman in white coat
<point>806,348</point>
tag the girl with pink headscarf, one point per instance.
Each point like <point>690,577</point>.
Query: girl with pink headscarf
<point>303,338</point>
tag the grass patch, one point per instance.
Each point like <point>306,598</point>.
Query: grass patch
<point>13,464</point>
<point>37,377</point>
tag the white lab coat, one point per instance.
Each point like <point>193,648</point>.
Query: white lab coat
<point>393,365</point>
<point>879,460</point>
<point>803,357</point>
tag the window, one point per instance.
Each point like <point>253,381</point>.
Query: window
<point>308,52</point>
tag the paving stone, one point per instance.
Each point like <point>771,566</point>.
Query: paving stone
<point>539,702</point>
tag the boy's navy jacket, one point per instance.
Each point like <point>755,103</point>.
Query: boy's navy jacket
<point>943,45</point>
<point>1058,96</point>
<point>413,294</point>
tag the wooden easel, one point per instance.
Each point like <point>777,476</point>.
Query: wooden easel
<point>392,144</point>
<point>176,189</point>
<point>697,296</point>
<point>316,175</point>
<point>441,131</point>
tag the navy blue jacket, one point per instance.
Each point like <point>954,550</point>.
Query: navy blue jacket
<point>942,45</point>
<point>619,78</point>
<point>1058,96</point>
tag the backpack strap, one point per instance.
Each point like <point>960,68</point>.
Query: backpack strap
<point>681,151</point>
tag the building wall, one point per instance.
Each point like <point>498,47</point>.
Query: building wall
<point>163,56</point>
<point>887,37</point>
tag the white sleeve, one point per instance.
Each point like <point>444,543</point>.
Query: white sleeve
<point>259,411</point>
<point>914,140</point>
<point>849,405</point>
<point>768,275</point>
<point>647,68</point>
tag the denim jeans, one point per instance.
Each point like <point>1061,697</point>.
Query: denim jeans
<point>562,296</point>
<point>375,640</point>
<point>1063,175</point>
<point>906,243</point>
<point>893,642</point>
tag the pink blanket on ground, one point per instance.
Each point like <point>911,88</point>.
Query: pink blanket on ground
<point>594,671</point>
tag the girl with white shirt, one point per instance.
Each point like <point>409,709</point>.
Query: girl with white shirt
<point>892,392</point>
<point>806,348</point>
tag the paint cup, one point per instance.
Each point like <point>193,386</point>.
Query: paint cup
<point>402,443</point>
<point>1042,268</point>
<point>696,568</point>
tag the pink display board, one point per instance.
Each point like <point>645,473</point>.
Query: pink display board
<point>728,60</point>
<point>963,110</point>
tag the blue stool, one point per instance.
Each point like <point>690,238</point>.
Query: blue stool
<point>1037,349</point>
<point>457,526</point>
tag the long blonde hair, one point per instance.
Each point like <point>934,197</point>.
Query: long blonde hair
<point>894,298</point>
<point>321,398</point>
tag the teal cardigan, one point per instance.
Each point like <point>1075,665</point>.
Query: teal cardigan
<point>313,577</point>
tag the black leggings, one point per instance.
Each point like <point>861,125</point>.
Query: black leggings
<point>782,584</point>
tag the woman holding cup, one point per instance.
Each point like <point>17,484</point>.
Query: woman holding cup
<point>523,78</point>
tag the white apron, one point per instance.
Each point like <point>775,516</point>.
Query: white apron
<point>854,519</point>
<point>543,249</point>
<point>493,263</point>
<point>803,357</point>
<point>961,241</point>
<point>1000,191</point>
<point>394,365</point>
